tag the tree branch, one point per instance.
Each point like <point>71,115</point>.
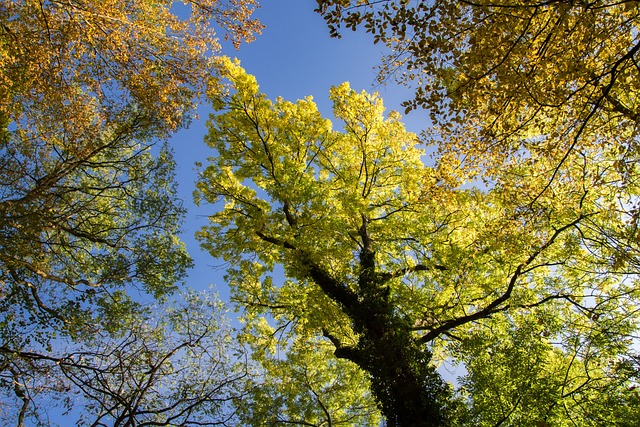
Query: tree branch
<point>494,306</point>
<point>343,351</point>
<point>275,241</point>
<point>333,288</point>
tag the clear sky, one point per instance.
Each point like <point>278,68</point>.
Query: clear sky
<point>293,58</point>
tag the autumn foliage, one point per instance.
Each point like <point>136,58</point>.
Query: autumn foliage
<point>529,283</point>
<point>89,93</point>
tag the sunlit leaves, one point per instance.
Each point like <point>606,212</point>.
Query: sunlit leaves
<point>524,267</point>
<point>113,55</point>
<point>504,77</point>
<point>304,385</point>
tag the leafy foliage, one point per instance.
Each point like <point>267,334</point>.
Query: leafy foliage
<point>90,65</point>
<point>88,210</point>
<point>503,77</point>
<point>399,268</point>
<point>303,384</point>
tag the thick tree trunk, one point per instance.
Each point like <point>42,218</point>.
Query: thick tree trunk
<point>409,390</point>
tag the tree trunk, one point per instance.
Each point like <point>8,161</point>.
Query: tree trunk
<point>408,389</point>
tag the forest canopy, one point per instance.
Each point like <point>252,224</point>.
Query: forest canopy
<point>399,268</point>
<point>90,91</point>
<point>362,259</point>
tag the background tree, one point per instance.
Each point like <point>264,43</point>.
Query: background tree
<point>399,268</point>
<point>172,365</point>
<point>507,76</point>
<point>88,93</point>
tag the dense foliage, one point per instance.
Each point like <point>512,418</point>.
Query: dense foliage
<point>497,72</point>
<point>89,92</point>
<point>399,267</point>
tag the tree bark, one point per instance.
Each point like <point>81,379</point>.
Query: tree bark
<point>407,387</point>
<point>409,390</point>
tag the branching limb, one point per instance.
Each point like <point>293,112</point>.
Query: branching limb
<point>496,305</point>
<point>343,351</point>
<point>333,288</point>
<point>21,394</point>
<point>36,297</point>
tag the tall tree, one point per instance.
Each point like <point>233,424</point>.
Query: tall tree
<point>89,92</point>
<point>399,268</point>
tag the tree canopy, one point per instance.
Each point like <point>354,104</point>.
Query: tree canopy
<point>400,268</point>
<point>501,72</point>
<point>360,267</point>
<point>89,93</point>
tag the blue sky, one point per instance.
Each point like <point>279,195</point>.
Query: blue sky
<point>293,58</point>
